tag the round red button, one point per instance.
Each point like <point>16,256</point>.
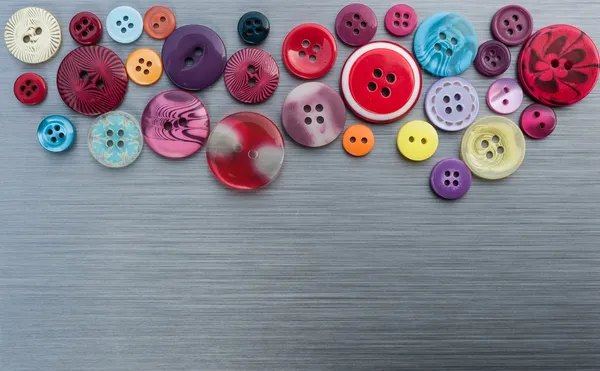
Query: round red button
<point>309,51</point>
<point>30,88</point>
<point>85,28</point>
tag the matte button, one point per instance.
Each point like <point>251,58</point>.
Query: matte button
<point>504,96</point>
<point>159,22</point>
<point>313,114</point>
<point>450,179</point>
<point>309,51</point>
<point>358,140</point>
<point>115,139</point>
<point>56,133</point>
<point>445,44</point>
<point>538,121</point>
<point>253,27</point>
<point>144,66</point>
<point>493,58</point>
<point>30,88</point>
<point>124,24</point>
<point>417,140</point>
<point>401,20</point>
<point>175,124</point>
<point>512,25</point>
<point>452,103</point>
<point>251,75</point>
<point>85,28</point>
<point>32,35</point>
<point>356,24</point>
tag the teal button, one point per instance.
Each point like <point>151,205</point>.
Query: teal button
<point>56,133</point>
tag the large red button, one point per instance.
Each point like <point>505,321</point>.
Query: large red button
<point>309,51</point>
<point>30,88</point>
<point>381,82</point>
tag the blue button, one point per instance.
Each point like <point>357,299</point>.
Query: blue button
<point>445,44</point>
<point>56,133</point>
<point>115,139</point>
<point>253,27</point>
<point>124,24</point>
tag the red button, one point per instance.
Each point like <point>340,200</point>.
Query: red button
<point>309,51</point>
<point>85,28</point>
<point>30,88</point>
<point>381,82</point>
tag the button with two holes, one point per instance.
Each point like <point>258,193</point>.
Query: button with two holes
<point>417,140</point>
<point>144,66</point>
<point>30,88</point>
<point>56,133</point>
<point>32,35</point>
<point>450,179</point>
<point>115,139</point>
<point>538,121</point>
<point>358,140</point>
<point>124,24</point>
<point>159,22</point>
<point>356,24</point>
<point>401,20</point>
<point>309,51</point>
<point>85,28</point>
<point>452,103</point>
<point>251,75</point>
<point>253,27</point>
<point>505,96</point>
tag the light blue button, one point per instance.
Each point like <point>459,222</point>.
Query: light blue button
<point>124,24</point>
<point>445,44</point>
<point>56,133</point>
<point>115,139</point>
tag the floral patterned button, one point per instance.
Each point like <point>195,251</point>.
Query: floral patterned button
<point>115,139</point>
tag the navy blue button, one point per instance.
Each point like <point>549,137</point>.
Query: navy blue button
<point>253,27</point>
<point>56,133</point>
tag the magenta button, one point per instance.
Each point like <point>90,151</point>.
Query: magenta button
<point>356,24</point>
<point>538,121</point>
<point>401,20</point>
<point>504,96</point>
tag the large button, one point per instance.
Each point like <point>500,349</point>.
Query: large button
<point>493,147</point>
<point>358,140</point>
<point>85,28</point>
<point>253,27</point>
<point>558,65</point>
<point>175,124</point>
<point>115,139</point>
<point>144,66</point>
<point>245,151</point>
<point>504,96</point>
<point>313,114</point>
<point>493,58</point>
<point>124,24</point>
<point>381,82</point>
<point>450,179</point>
<point>445,44</point>
<point>194,57</point>
<point>538,121</point>
<point>417,140</point>
<point>32,35</point>
<point>452,103</point>
<point>401,20</point>
<point>30,88</point>
<point>56,133</point>
<point>356,24</point>
<point>92,80</point>
<point>251,75</point>
<point>309,51</point>
<point>512,25</point>
<point>159,22</point>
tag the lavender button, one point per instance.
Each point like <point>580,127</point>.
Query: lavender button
<point>356,24</point>
<point>504,96</point>
<point>452,103</point>
<point>450,179</point>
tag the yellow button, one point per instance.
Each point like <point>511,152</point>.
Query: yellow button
<point>493,147</point>
<point>144,66</point>
<point>32,35</point>
<point>417,140</point>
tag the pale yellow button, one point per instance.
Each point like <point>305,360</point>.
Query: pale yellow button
<point>417,140</point>
<point>144,66</point>
<point>32,35</point>
<point>493,147</point>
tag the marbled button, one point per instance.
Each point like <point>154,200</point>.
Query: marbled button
<point>450,179</point>
<point>504,96</point>
<point>56,133</point>
<point>32,35</point>
<point>86,28</point>
<point>538,121</point>
<point>115,139</point>
<point>251,75</point>
<point>493,58</point>
<point>30,88</point>
<point>356,24</point>
<point>401,20</point>
<point>124,24</point>
<point>452,103</point>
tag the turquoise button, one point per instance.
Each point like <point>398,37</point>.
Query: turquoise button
<point>56,133</point>
<point>445,44</point>
<point>115,139</point>
<point>124,24</point>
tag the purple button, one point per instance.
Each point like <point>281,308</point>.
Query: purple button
<point>401,20</point>
<point>493,58</point>
<point>450,179</point>
<point>194,57</point>
<point>538,121</point>
<point>356,24</point>
<point>251,75</point>
<point>504,96</point>
<point>512,25</point>
<point>452,103</point>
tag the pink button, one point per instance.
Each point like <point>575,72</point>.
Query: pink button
<point>504,96</point>
<point>401,20</point>
<point>538,121</point>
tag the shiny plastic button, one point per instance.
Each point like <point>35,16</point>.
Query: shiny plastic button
<point>356,24</point>
<point>358,140</point>
<point>30,88</point>
<point>417,140</point>
<point>504,96</point>
<point>512,25</point>
<point>445,44</point>
<point>493,58</point>
<point>309,51</point>
<point>381,82</point>
<point>450,179</point>
<point>32,35</point>
<point>452,103</point>
<point>159,22</point>
<point>401,20</point>
<point>144,66</point>
<point>538,121</point>
<point>56,133</point>
<point>115,139</point>
<point>85,28</point>
<point>493,147</point>
<point>313,114</point>
<point>253,27</point>
<point>124,24</point>
<point>251,75</point>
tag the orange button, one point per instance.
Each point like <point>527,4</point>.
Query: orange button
<point>144,66</point>
<point>358,140</point>
<point>159,22</point>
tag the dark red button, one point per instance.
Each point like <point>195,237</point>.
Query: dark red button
<point>512,25</point>
<point>86,28</point>
<point>30,88</point>
<point>493,58</point>
<point>251,75</point>
<point>309,51</point>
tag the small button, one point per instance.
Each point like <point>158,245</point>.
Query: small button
<point>452,103</point>
<point>493,58</point>
<point>401,20</point>
<point>381,82</point>
<point>504,96</point>
<point>445,44</point>
<point>115,139</point>
<point>450,179</point>
<point>30,88</point>
<point>356,24</point>
<point>56,133</point>
<point>512,25</point>
<point>251,75</point>
<point>417,140</point>
<point>493,147</point>
<point>358,140</point>
<point>85,28</point>
<point>159,22</point>
<point>144,66</point>
<point>124,24</point>
<point>253,27</point>
<point>538,121</point>
<point>309,51</point>
<point>175,124</point>
<point>313,114</point>
<point>245,151</point>
<point>32,35</point>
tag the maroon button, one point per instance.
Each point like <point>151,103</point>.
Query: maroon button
<point>356,24</point>
<point>493,58</point>
<point>538,121</point>
<point>251,75</point>
<point>30,88</point>
<point>401,20</point>
<point>85,28</point>
<point>512,25</point>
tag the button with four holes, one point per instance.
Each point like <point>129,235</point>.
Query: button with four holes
<point>512,25</point>
<point>251,75</point>
<point>538,121</point>
<point>144,66</point>
<point>450,179</point>
<point>401,20</point>
<point>493,58</point>
<point>253,27</point>
<point>452,103</point>
<point>504,96</point>
<point>85,28</point>
<point>32,35</point>
<point>358,140</point>
<point>159,22</point>
<point>417,140</point>
<point>30,88</point>
<point>115,139</point>
<point>356,24</point>
<point>309,51</point>
<point>56,133</point>
<point>124,24</point>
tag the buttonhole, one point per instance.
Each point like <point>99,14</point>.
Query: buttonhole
<point>109,133</point>
<point>320,119</point>
<point>319,107</point>
<point>120,132</point>
<point>386,92</point>
<point>99,84</point>
<point>38,31</point>
<point>364,140</point>
<point>198,51</point>
<point>352,139</point>
<point>189,62</point>
<point>251,69</point>
<point>252,154</point>
<point>411,139</point>
<point>312,59</point>
<point>423,141</point>
<point>307,108</point>
<point>372,86</point>
<point>495,139</point>
<point>168,126</point>
<point>308,121</point>
<point>120,144</point>
<point>110,143</point>
<point>500,150</point>
<point>252,82</point>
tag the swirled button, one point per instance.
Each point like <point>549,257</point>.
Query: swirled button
<point>504,96</point>
<point>313,114</point>
<point>493,58</point>
<point>92,80</point>
<point>356,24</point>
<point>450,179</point>
<point>401,20</point>
<point>417,140</point>
<point>85,28</point>
<point>144,66</point>
<point>445,44</point>
<point>124,24</point>
<point>512,25</point>
<point>30,88</point>
<point>381,82</point>
<point>245,151</point>
<point>175,124</point>
<point>309,51</point>
<point>559,65</point>
<point>194,57</point>
<point>32,35</point>
<point>538,121</point>
<point>159,22</point>
<point>115,139</point>
<point>452,103</point>
<point>253,27</point>
<point>493,147</point>
<point>56,133</point>
<point>358,140</point>
<point>251,75</point>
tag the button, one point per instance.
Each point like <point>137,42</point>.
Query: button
<point>115,139</point>
<point>309,51</point>
<point>401,20</point>
<point>245,151</point>
<point>358,140</point>
<point>175,124</point>
<point>558,65</point>
<point>445,44</point>
<point>124,24</point>
<point>30,88</point>
<point>381,82</point>
<point>417,140</point>
<point>313,114</point>
<point>538,121</point>
<point>56,133</point>
<point>493,58</point>
<point>504,96</point>
<point>194,57</point>
<point>356,24</point>
<point>85,28</point>
<point>452,103</point>
<point>92,80</point>
<point>251,75</point>
<point>512,25</point>
<point>253,27</point>
<point>493,147</point>
<point>450,179</point>
<point>32,35</point>
<point>159,22</point>
<point>144,66</point>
